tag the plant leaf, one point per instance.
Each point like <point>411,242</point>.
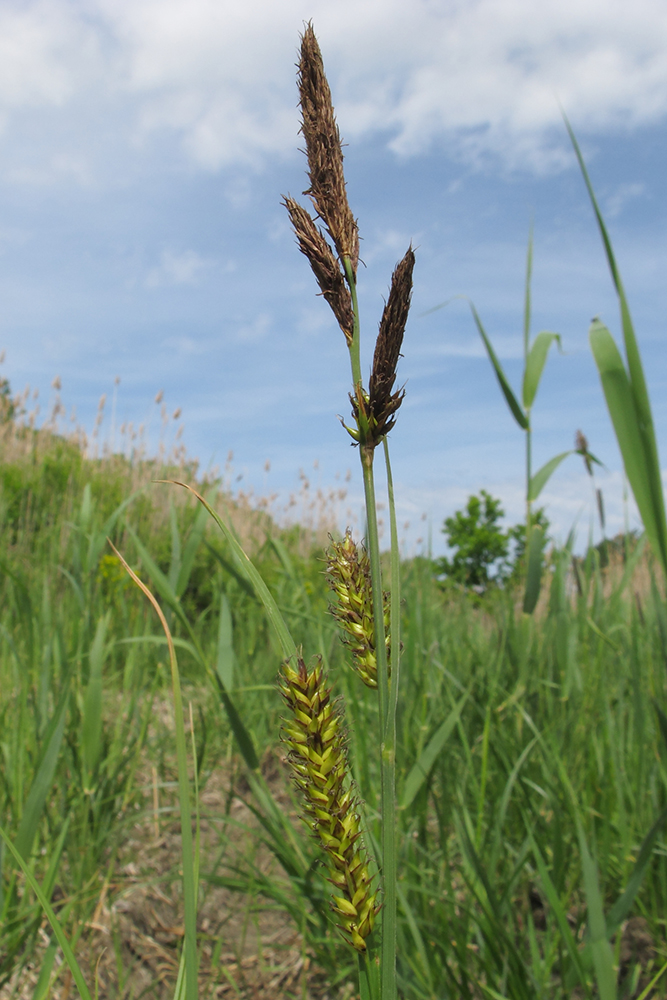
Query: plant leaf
<point>251,574</point>
<point>535,363</point>
<point>534,570</point>
<point>603,959</point>
<point>68,954</point>
<point>41,784</point>
<point>420,770</point>
<point>543,475</point>
<point>512,401</point>
<point>651,493</point>
<point>621,907</point>
<point>636,451</point>
<point>91,729</point>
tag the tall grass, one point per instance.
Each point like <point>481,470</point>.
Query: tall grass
<point>513,791</point>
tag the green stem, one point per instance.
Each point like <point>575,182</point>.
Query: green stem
<point>387,714</point>
<point>355,355</point>
<point>387,762</point>
<point>389,754</point>
<point>395,606</point>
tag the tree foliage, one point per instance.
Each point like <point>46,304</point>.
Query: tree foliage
<point>479,545</point>
<point>483,553</point>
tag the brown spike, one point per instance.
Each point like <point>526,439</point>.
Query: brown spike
<point>325,267</point>
<point>324,151</point>
<point>383,402</point>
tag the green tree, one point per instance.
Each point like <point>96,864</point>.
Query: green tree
<point>478,542</point>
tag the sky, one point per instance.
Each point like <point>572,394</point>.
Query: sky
<point>144,150</point>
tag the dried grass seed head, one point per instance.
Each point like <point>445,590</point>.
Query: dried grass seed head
<point>374,411</point>
<point>324,151</point>
<point>324,265</point>
<point>581,445</point>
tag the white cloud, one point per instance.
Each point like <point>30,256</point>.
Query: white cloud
<point>484,75</point>
<point>184,268</point>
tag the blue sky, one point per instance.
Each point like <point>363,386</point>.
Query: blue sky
<point>144,148</point>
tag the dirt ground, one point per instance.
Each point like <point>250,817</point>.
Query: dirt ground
<point>129,948</point>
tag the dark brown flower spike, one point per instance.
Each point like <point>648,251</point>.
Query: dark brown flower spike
<point>383,401</point>
<point>324,151</point>
<point>325,266</point>
<point>375,411</point>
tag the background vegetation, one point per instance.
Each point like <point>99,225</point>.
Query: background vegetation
<point>531,754</point>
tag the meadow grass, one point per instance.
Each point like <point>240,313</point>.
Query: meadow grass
<point>516,736</point>
<point>510,797</point>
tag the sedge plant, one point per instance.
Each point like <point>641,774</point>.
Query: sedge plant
<point>357,579</point>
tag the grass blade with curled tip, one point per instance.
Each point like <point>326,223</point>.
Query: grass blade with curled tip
<point>535,362</point>
<point>187,847</point>
<point>61,938</point>
<point>506,388</point>
<point>543,475</point>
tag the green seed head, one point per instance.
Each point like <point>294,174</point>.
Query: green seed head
<point>349,574</point>
<point>317,755</point>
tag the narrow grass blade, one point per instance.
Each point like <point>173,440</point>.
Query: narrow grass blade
<point>91,729</point>
<point>542,476</point>
<point>52,918</point>
<point>369,977</point>
<point>535,363</point>
<point>187,848</point>
<point>534,570</point>
<point>189,554</point>
<point>43,983</point>
<point>603,959</point>
<point>241,734</point>
<point>636,450</point>
<point>246,568</point>
<point>512,401</point>
<point>225,652</point>
<point>662,723</point>
<point>621,907</point>
<point>420,770</point>
<point>416,936</point>
<point>558,911</point>
<point>41,785</point>
<point>640,417</point>
<point>649,989</point>
<point>168,594</point>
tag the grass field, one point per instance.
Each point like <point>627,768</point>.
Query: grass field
<point>491,826</point>
<point>531,756</point>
